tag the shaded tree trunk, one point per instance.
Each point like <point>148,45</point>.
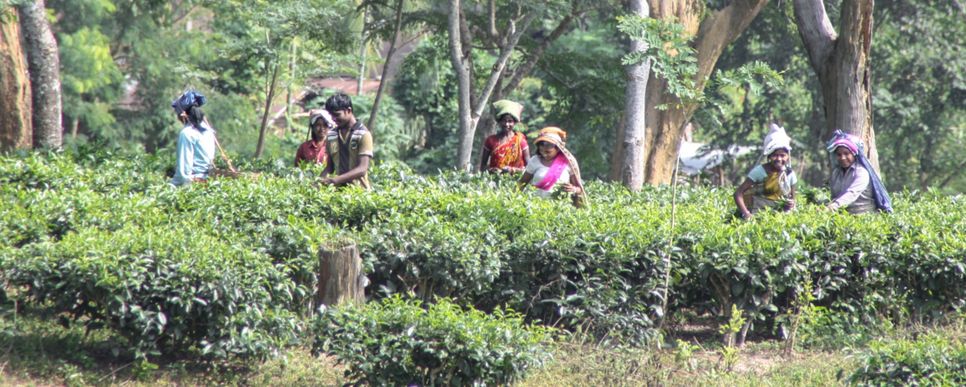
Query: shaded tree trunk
<point>15,126</point>
<point>664,128</point>
<point>713,34</point>
<point>842,64</point>
<point>383,80</point>
<point>341,278</point>
<point>270,91</point>
<point>635,107</point>
<point>44,63</point>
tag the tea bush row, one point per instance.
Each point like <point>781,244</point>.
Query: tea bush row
<point>933,359</point>
<point>395,341</point>
<point>481,243</point>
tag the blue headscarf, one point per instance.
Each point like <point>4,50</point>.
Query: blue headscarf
<point>857,147</point>
<point>187,100</point>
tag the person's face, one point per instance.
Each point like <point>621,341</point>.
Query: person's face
<point>844,157</point>
<point>507,122</point>
<point>183,117</point>
<point>342,118</point>
<point>547,150</point>
<point>318,131</point>
<point>778,158</point>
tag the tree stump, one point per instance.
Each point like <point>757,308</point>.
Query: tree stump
<point>340,276</point>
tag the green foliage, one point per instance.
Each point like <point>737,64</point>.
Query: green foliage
<point>933,359</point>
<point>668,50</point>
<point>475,239</point>
<point>400,342</point>
<point>919,87</point>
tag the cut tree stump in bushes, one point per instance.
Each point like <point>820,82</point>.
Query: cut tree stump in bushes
<point>340,276</point>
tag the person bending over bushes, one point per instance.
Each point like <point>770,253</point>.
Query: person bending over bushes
<point>554,168</point>
<point>772,184</point>
<point>854,184</point>
<point>196,142</point>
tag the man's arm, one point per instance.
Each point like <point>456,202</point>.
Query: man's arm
<point>352,174</point>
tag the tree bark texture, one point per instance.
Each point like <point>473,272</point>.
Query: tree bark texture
<point>43,62</point>
<point>15,123</point>
<point>462,70</point>
<point>664,128</point>
<point>340,276</point>
<point>635,108</point>
<point>842,64</point>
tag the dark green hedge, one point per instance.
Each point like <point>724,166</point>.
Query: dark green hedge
<point>473,239</point>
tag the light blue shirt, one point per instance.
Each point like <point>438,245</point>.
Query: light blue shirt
<point>196,153</point>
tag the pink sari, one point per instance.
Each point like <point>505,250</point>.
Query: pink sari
<point>556,169</point>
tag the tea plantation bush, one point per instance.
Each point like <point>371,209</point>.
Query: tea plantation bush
<point>397,341</point>
<point>109,229</point>
<point>930,360</point>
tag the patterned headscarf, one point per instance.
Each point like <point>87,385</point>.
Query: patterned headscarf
<point>505,106</point>
<point>775,140</point>
<point>857,147</point>
<point>187,100</point>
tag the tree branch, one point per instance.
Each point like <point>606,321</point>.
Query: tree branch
<point>534,57</point>
<point>816,30</point>
<point>505,51</point>
<point>721,29</point>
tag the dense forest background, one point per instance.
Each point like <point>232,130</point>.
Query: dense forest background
<point>264,64</point>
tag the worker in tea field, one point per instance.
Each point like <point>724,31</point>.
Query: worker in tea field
<point>772,184</point>
<point>507,150</point>
<point>553,171</point>
<point>349,146</point>
<point>854,184</point>
<point>196,142</point>
<point>313,150</point>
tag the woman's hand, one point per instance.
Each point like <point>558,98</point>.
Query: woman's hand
<point>789,204</point>
<point>571,188</point>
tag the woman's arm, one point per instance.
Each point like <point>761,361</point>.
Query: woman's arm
<point>573,186</point>
<point>860,181</point>
<point>524,180</point>
<point>740,198</point>
<point>185,160</point>
<point>484,158</point>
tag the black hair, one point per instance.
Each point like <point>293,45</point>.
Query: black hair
<point>338,102</point>
<point>196,116</point>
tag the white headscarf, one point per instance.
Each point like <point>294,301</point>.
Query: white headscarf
<point>776,139</point>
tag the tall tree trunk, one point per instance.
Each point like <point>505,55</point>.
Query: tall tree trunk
<point>44,63</point>
<point>292,59</point>
<point>842,65</point>
<point>260,146</point>
<point>15,128</point>
<point>664,128</point>
<point>383,80</point>
<point>460,66</point>
<point>470,105</point>
<point>362,52</point>
<point>635,107</point>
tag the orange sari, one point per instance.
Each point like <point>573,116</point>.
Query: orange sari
<point>509,153</point>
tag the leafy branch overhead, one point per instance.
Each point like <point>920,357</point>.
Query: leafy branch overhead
<point>669,51</point>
